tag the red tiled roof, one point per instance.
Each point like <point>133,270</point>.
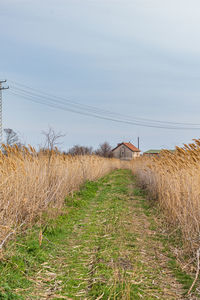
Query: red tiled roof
<point>129,145</point>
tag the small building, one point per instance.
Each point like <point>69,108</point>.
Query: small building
<point>126,151</point>
<point>154,152</point>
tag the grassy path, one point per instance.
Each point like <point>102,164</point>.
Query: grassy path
<point>108,246</point>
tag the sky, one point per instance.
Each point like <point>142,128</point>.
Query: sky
<point>139,58</point>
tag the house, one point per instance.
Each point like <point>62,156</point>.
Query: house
<point>126,151</point>
<point>151,152</point>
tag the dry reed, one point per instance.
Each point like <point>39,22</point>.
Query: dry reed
<point>174,180</point>
<point>32,182</point>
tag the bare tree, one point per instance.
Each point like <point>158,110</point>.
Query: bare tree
<point>104,150</point>
<point>12,137</point>
<point>80,150</point>
<point>52,139</point>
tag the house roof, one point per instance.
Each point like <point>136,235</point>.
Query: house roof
<point>128,145</point>
<point>152,151</point>
<point>156,151</point>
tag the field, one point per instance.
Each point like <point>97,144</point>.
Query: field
<point>173,179</point>
<point>87,227</point>
<point>105,245</point>
<point>33,183</point>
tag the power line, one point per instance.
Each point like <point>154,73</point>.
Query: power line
<point>35,92</point>
<point>54,104</point>
<point>57,105</point>
<point>83,108</point>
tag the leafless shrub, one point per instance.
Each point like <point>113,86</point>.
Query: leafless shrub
<point>104,150</point>
<point>80,150</point>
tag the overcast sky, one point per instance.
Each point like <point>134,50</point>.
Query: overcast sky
<point>139,58</point>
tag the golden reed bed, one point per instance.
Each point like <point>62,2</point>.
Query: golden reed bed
<point>174,180</point>
<point>31,183</point>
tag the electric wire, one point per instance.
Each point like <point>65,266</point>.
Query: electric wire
<point>55,104</point>
<point>27,89</point>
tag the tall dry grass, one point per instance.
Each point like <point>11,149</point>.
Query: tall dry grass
<point>174,180</point>
<point>31,183</point>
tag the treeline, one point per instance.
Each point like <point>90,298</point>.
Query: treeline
<point>52,141</point>
<point>104,150</point>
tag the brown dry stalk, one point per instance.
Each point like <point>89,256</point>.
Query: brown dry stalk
<point>197,272</point>
<point>31,185</point>
<point>173,179</point>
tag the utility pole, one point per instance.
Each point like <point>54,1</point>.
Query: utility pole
<point>138,139</point>
<point>1,117</point>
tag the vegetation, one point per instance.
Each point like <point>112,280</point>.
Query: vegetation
<point>12,138</point>
<point>104,245</point>
<point>32,182</point>
<point>173,179</point>
<point>104,150</point>
<point>80,150</point>
<point>105,230</point>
